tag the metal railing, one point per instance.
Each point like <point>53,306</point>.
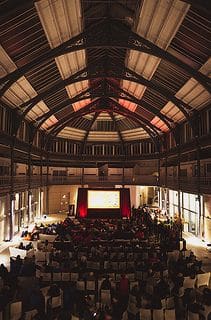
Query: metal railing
<point>186,183</point>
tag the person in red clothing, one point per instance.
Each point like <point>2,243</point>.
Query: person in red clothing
<point>139,234</point>
<point>124,286</point>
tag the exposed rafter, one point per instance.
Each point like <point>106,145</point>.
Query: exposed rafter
<point>9,7</point>
<point>28,105</point>
<point>102,105</point>
<point>87,132</point>
<point>116,107</point>
<point>118,131</point>
<point>90,108</point>
<point>129,97</point>
<point>107,34</point>
<point>94,73</point>
<point>88,93</point>
<point>203,5</point>
<point>47,44</point>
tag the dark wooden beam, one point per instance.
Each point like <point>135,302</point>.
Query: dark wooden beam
<point>87,132</point>
<point>118,130</point>
<point>98,36</point>
<point>115,72</point>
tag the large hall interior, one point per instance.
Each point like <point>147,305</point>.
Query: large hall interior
<point>105,160</point>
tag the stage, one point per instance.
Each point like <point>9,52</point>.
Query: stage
<point>103,203</point>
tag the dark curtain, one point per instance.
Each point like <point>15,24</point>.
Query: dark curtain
<point>125,202</point>
<point>82,203</point>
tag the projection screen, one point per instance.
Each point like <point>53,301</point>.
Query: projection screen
<point>103,199</point>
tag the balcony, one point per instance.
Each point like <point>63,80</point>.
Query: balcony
<point>188,184</point>
<point>22,182</point>
<point>93,180</point>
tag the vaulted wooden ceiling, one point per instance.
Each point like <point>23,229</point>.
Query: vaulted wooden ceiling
<point>105,70</point>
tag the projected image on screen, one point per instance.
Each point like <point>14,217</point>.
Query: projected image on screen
<point>103,199</point>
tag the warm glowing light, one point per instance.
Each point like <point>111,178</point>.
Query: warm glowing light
<point>81,104</point>
<point>194,241</point>
<point>156,121</point>
<point>128,105</point>
<point>103,199</point>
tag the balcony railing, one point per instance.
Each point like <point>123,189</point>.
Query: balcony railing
<point>80,179</point>
<point>188,183</point>
<point>192,184</point>
<point>105,180</point>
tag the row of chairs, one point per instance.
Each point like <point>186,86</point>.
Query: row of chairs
<point>74,276</point>
<point>83,284</point>
<point>157,314</point>
<point>14,312</point>
<point>15,308</point>
<point>201,280</point>
<point>167,303</point>
<point>94,265</point>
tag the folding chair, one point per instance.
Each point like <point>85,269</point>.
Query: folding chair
<point>193,316</point>
<point>131,276</point>
<point>202,279</point>
<point>74,317</point>
<point>56,302</point>
<point>15,310</point>
<point>80,285</point>
<point>170,314</point>
<point>124,316</point>
<point>57,276</point>
<point>118,276</point>
<point>74,276</point>
<point>145,314</point>
<point>132,308</point>
<point>111,276</point>
<point>133,283</point>
<point>105,297</point>
<point>29,315</point>
<point>189,283</point>
<point>46,276</point>
<point>90,285</point>
<point>170,303</point>
<point>96,265</point>
<point>158,314</point>
<point>65,276</point>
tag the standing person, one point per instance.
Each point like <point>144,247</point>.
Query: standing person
<point>106,284</point>
<point>124,286</point>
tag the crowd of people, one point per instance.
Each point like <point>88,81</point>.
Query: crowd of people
<point>129,258</point>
